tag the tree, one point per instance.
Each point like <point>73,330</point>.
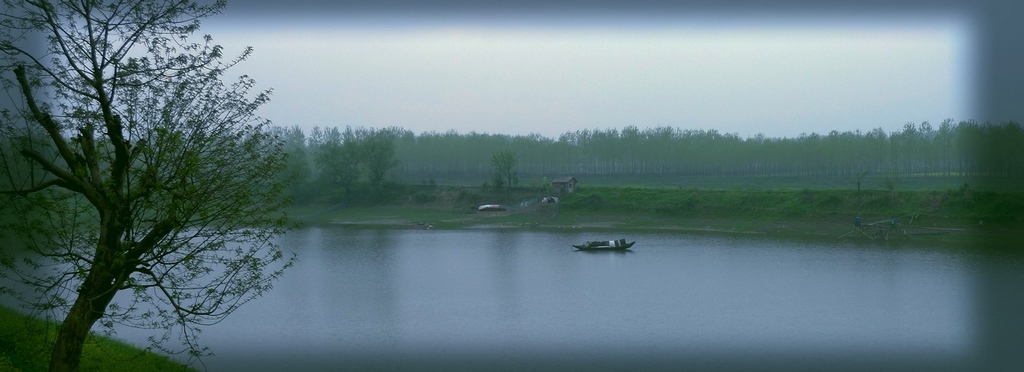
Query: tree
<point>504,163</point>
<point>343,158</point>
<point>377,154</point>
<point>297,168</point>
<point>146,192</point>
<point>337,157</point>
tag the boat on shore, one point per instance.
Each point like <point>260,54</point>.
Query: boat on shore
<point>492,208</point>
<point>604,245</point>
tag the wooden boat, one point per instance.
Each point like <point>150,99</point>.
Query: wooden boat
<point>607,245</point>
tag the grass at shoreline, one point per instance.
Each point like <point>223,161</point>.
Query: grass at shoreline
<point>25,346</point>
<point>950,215</point>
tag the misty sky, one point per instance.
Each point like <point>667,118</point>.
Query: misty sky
<point>779,77</point>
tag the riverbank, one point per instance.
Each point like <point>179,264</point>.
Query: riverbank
<point>25,346</point>
<point>957,216</point>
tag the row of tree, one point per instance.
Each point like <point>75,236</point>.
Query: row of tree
<point>351,164</point>
<point>963,149</point>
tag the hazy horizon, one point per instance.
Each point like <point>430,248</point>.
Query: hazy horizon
<point>549,75</point>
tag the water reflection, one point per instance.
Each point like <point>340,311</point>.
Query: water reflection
<point>612,252</point>
<point>401,298</point>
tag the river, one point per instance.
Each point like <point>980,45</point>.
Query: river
<point>513,299</point>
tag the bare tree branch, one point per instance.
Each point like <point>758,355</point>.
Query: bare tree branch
<point>39,187</point>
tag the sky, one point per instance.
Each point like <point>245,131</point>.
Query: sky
<point>777,76</point>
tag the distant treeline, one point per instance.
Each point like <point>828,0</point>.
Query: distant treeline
<point>964,149</point>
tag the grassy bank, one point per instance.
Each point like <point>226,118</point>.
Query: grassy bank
<point>962,205</point>
<point>954,214</point>
<point>25,346</point>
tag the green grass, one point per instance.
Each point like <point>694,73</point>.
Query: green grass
<point>955,214</point>
<point>25,346</point>
<point>961,204</point>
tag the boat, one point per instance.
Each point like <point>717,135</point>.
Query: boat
<point>491,208</point>
<point>606,245</point>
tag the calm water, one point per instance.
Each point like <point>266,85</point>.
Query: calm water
<point>473,299</point>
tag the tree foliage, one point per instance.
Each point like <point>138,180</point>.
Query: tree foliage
<point>963,149</point>
<point>297,172</point>
<point>353,159</point>
<point>142,187</point>
<point>336,155</point>
<point>377,153</point>
<point>504,163</point>
<point>957,151</point>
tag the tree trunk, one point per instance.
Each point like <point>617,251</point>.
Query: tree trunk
<point>67,349</point>
<point>95,293</point>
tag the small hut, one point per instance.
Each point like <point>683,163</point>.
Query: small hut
<point>564,185</point>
